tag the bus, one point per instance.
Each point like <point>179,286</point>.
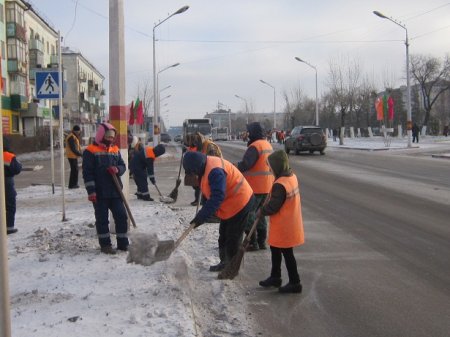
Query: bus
<point>202,125</point>
<point>219,133</point>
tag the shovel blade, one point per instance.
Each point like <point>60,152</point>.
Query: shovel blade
<point>164,250</point>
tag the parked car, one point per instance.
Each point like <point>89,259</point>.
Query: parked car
<point>306,138</point>
<point>165,137</point>
<point>178,138</point>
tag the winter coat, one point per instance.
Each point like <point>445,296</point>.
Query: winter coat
<point>12,167</point>
<point>96,159</point>
<point>258,175</point>
<point>225,188</point>
<point>143,159</point>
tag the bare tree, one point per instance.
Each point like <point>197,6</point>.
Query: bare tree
<point>433,77</point>
<point>343,82</point>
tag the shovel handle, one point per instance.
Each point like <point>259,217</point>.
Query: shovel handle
<point>119,189</point>
<point>156,186</point>
<point>185,233</point>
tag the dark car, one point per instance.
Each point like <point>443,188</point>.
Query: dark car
<point>165,137</point>
<point>178,138</point>
<point>306,138</point>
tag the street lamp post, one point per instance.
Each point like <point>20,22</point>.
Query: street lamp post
<point>155,106</point>
<point>274,103</point>
<point>317,100</point>
<point>246,106</point>
<point>408,86</point>
<point>159,91</point>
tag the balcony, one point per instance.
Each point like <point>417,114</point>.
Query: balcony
<point>16,66</point>
<point>36,45</point>
<point>14,30</point>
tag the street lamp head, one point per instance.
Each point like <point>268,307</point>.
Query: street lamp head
<point>299,59</point>
<point>175,65</point>
<point>181,10</point>
<point>381,15</point>
<point>262,81</point>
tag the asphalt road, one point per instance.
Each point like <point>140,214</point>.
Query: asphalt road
<point>376,261</point>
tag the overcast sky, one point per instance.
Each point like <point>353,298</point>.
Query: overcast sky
<point>225,47</point>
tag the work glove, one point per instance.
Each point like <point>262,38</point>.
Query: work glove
<point>112,170</point>
<point>197,222</point>
<point>92,197</point>
<point>152,180</point>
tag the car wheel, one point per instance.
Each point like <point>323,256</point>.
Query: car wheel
<point>315,139</point>
<point>322,152</point>
<point>286,149</point>
<point>297,151</point>
<point>311,151</point>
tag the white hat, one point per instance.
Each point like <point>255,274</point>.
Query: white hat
<point>135,141</point>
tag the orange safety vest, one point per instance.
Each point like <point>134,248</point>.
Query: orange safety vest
<point>100,149</point>
<point>149,152</point>
<point>69,152</point>
<point>237,191</point>
<point>259,176</point>
<point>286,226</point>
<point>192,148</point>
<point>8,158</point>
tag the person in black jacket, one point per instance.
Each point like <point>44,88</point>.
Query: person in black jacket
<point>142,166</point>
<point>101,160</point>
<point>12,167</point>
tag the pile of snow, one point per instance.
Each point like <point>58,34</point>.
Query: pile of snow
<point>61,285</point>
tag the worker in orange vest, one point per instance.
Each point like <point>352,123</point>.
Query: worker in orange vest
<point>12,167</point>
<point>256,170</point>
<point>286,223</point>
<point>228,196</point>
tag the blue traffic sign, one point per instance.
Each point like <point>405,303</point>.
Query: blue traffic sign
<point>47,84</point>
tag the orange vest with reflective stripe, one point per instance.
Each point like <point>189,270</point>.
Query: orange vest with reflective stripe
<point>69,152</point>
<point>286,226</point>
<point>259,176</point>
<point>93,148</point>
<point>7,158</point>
<point>149,152</point>
<point>237,191</point>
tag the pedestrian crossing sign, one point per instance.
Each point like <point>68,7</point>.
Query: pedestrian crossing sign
<point>47,84</point>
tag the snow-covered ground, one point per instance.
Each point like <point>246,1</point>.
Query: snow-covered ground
<point>61,285</point>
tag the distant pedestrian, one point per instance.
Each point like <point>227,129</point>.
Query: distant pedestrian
<point>415,133</point>
<point>12,167</point>
<point>73,152</point>
<point>335,132</point>
<point>446,130</point>
<point>101,160</point>
<point>142,167</point>
<point>286,224</point>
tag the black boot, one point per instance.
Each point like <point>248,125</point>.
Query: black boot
<point>271,282</point>
<point>221,265</point>
<point>107,250</point>
<point>291,288</point>
<point>217,267</point>
<point>11,230</point>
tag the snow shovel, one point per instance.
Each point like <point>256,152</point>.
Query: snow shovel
<point>166,200</point>
<point>166,247</point>
<point>119,189</point>
<point>174,193</point>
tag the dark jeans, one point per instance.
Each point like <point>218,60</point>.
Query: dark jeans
<point>73,178</point>
<point>231,231</point>
<point>289,260</point>
<point>117,208</point>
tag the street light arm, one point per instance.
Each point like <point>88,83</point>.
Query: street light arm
<point>303,61</point>
<point>181,10</point>
<point>381,15</point>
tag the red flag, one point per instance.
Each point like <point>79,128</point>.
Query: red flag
<point>391,108</point>
<point>131,112</point>
<point>140,114</point>
<point>379,108</point>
